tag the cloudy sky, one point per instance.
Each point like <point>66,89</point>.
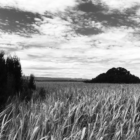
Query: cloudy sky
<point>71,38</point>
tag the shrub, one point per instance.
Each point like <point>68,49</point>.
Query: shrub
<point>32,85</point>
<point>28,87</point>
<point>42,93</point>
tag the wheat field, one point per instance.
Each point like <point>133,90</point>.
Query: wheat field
<point>74,111</point>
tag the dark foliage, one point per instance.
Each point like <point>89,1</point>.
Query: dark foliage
<point>14,75</point>
<point>42,93</point>
<point>115,75</point>
<point>32,85</point>
<point>28,86</point>
<point>12,83</point>
<point>10,77</point>
<point>2,77</point>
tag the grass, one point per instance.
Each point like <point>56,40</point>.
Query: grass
<point>75,111</point>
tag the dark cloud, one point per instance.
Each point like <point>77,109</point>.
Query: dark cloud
<point>86,12</point>
<point>90,7</point>
<point>20,22</point>
<point>88,31</point>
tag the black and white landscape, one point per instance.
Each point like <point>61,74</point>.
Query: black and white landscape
<point>69,69</point>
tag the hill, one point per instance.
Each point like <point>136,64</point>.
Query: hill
<point>115,75</point>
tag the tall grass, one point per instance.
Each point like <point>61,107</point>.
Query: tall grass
<point>75,112</point>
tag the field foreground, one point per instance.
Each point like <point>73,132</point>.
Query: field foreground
<point>75,111</point>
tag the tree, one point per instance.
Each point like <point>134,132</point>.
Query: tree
<point>28,86</point>
<point>12,81</point>
<point>2,77</point>
<point>10,77</point>
<point>115,75</point>
<point>32,85</point>
<point>14,74</point>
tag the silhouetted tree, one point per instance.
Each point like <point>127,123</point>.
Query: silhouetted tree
<point>115,75</point>
<point>2,77</point>
<point>10,77</point>
<point>14,74</point>
<point>12,82</point>
<point>28,86</point>
<point>32,85</point>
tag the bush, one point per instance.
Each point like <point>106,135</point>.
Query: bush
<point>42,93</point>
<point>28,87</point>
<point>32,85</point>
<point>39,94</point>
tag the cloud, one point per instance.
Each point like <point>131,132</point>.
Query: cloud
<point>121,4</point>
<point>86,16</point>
<point>38,6</point>
<point>19,22</point>
<point>81,56</point>
<point>76,58</point>
<point>82,40</point>
<point>88,31</point>
<point>18,17</point>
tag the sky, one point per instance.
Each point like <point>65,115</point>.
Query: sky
<point>71,38</point>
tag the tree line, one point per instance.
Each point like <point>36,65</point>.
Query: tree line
<point>12,81</point>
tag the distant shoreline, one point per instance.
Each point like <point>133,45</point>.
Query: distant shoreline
<point>49,79</point>
<point>57,81</point>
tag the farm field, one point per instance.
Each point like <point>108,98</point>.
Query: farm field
<point>75,111</point>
